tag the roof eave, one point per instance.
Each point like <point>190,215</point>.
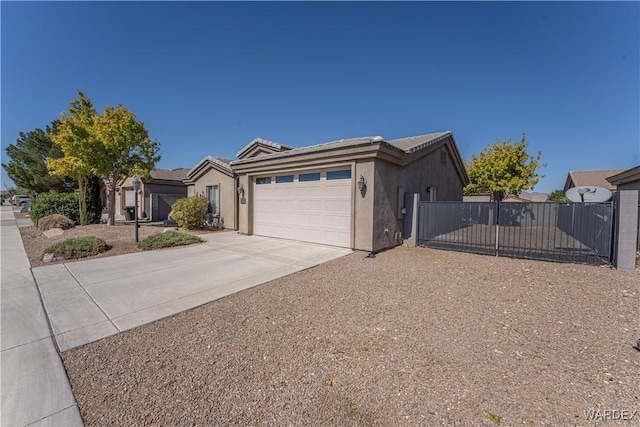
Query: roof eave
<point>629,175</point>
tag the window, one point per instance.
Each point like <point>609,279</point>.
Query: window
<point>266,180</point>
<point>313,176</point>
<point>284,178</point>
<point>213,196</point>
<point>343,174</point>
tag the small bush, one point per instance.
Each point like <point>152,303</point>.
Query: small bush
<point>55,203</point>
<point>79,247</point>
<point>167,240</point>
<point>190,213</point>
<point>55,221</point>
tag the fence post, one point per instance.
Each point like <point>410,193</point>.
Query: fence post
<point>626,229</point>
<point>412,205</point>
<point>497,222</point>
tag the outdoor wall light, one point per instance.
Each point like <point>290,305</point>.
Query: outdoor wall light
<point>241,190</point>
<point>362,184</point>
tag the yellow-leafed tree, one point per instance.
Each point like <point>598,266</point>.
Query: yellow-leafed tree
<point>112,145</point>
<point>504,168</point>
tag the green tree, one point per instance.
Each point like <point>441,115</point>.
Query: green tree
<point>73,136</point>
<point>112,145</point>
<point>505,168</point>
<point>557,196</point>
<point>27,167</point>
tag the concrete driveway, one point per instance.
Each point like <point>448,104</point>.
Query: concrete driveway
<point>89,300</point>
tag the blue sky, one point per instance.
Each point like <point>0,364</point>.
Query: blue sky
<point>208,77</point>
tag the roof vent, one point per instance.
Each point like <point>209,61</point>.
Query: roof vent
<point>377,139</point>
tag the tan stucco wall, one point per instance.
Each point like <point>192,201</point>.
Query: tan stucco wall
<point>416,177</point>
<point>363,206</point>
<point>245,224</point>
<point>228,194</point>
<point>630,186</point>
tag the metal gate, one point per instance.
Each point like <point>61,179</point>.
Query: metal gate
<point>564,232</point>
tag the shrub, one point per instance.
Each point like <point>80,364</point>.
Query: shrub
<point>55,221</point>
<point>168,239</point>
<point>79,247</point>
<point>190,213</point>
<point>55,203</point>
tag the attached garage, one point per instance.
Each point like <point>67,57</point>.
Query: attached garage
<point>312,206</point>
<point>349,193</point>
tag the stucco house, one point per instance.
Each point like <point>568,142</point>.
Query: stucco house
<point>597,178</point>
<point>526,198</point>
<point>214,179</point>
<point>348,193</point>
<point>156,195</point>
<point>628,179</point>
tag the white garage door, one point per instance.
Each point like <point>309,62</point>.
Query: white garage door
<point>312,206</point>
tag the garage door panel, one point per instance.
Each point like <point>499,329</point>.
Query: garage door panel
<point>313,211</point>
<point>315,205</point>
<point>312,220</point>
<point>331,206</point>
<point>289,204</point>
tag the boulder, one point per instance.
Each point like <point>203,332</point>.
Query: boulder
<point>54,232</point>
<point>49,258</point>
<point>165,229</point>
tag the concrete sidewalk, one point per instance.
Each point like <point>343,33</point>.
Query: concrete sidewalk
<point>35,388</point>
<point>90,300</point>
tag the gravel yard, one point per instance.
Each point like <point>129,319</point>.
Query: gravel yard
<point>119,238</point>
<point>411,337</point>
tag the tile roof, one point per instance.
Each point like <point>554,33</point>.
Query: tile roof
<point>266,142</point>
<point>407,145</point>
<point>311,149</point>
<point>415,143</point>
<point>596,178</point>
<point>177,174</point>
<point>220,161</point>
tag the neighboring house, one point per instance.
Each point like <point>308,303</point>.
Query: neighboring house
<point>214,179</point>
<point>348,193</point>
<point>628,179</point>
<point>596,178</point>
<point>156,196</point>
<point>478,197</point>
<point>522,197</point>
<point>526,197</point>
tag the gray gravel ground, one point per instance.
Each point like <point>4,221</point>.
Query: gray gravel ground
<point>411,337</point>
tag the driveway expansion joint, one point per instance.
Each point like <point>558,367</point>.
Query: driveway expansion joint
<point>92,299</point>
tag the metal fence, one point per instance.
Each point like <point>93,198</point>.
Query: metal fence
<point>565,232</point>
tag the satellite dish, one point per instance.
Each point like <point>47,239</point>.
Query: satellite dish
<point>588,193</point>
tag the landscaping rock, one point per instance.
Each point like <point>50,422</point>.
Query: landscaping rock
<point>55,221</point>
<point>54,232</point>
<point>165,229</point>
<point>49,258</point>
